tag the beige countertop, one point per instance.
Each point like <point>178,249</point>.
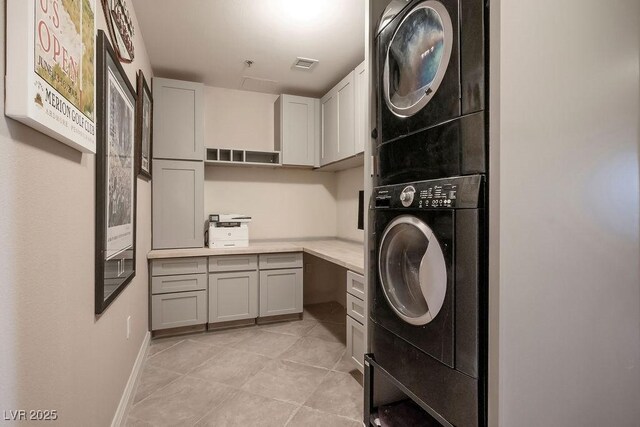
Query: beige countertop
<point>347,254</point>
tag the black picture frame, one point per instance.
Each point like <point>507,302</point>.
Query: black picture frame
<point>143,165</point>
<point>116,180</point>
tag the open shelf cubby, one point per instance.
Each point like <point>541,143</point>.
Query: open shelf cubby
<point>232,157</point>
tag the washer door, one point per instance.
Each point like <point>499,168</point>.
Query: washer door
<point>412,270</point>
<point>417,58</point>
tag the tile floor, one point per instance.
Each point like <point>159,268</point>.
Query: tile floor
<point>285,374</point>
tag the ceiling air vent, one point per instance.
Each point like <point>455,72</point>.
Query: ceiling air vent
<point>305,63</point>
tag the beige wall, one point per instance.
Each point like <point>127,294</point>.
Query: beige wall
<point>284,203</point>
<point>238,119</point>
<point>349,183</point>
<point>566,255</point>
<point>54,353</point>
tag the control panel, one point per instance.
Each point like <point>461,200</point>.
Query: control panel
<point>448,193</point>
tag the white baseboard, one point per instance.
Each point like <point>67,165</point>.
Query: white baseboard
<point>127,396</point>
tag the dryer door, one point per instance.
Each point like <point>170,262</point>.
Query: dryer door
<point>412,270</point>
<point>417,58</point>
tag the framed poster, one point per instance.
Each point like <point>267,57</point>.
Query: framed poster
<point>144,127</point>
<point>50,69</point>
<point>115,177</point>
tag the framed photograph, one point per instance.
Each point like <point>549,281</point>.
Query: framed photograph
<point>144,127</point>
<point>115,177</point>
<point>50,69</point>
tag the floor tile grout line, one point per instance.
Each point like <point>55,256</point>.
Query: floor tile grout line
<point>266,355</point>
<point>157,390</point>
<point>239,387</point>
<point>184,373</point>
<point>218,405</point>
<point>162,351</point>
<point>330,413</point>
<point>166,369</point>
<point>205,361</point>
<point>295,363</point>
<point>317,387</point>
<point>293,414</point>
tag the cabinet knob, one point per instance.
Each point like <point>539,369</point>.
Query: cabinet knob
<point>374,133</point>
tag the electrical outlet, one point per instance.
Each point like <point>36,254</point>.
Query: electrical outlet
<point>128,326</point>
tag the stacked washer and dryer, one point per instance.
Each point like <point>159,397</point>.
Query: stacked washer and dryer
<point>428,278</point>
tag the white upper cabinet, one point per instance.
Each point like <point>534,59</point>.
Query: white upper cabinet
<point>329,120</point>
<point>361,98</point>
<point>346,117</point>
<point>342,118</point>
<point>178,120</point>
<point>296,129</point>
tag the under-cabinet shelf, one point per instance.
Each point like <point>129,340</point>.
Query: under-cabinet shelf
<point>233,157</point>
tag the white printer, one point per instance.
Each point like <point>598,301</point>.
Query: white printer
<point>228,231</point>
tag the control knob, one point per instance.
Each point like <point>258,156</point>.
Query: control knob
<point>406,197</point>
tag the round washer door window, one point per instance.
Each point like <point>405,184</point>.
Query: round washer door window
<point>412,270</point>
<point>417,58</point>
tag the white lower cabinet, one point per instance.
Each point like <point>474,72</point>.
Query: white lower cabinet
<point>280,292</point>
<point>356,342</point>
<point>176,310</point>
<point>179,293</point>
<point>237,287</point>
<point>233,296</point>
<point>356,318</point>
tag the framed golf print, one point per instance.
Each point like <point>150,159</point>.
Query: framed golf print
<point>115,178</point>
<point>50,68</point>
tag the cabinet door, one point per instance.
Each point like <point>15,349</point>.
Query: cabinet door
<point>297,130</point>
<point>346,117</point>
<point>361,106</point>
<point>233,296</point>
<point>329,123</point>
<point>178,204</point>
<point>280,292</point>
<point>355,342</point>
<point>178,120</point>
<point>178,310</point>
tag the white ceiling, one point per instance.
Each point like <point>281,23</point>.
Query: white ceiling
<point>209,40</point>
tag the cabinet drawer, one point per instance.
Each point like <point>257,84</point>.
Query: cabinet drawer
<point>171,266</point>
<point>233,296</point>
<point>278,261</point>
<point>180,283</point>
<point>233,263</point>
<point>178,310</point>
<point>355,285</point>
<point>356,308</point>
<point>356,342</point>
